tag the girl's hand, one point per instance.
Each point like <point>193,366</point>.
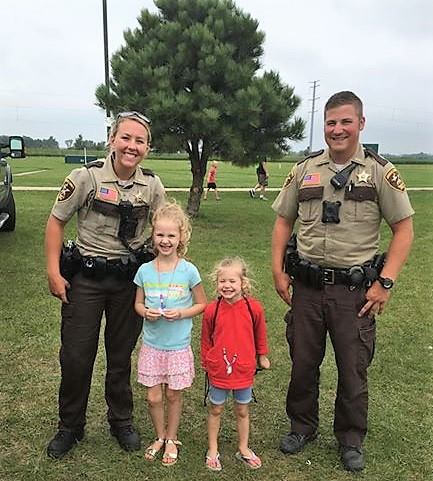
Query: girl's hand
<point>172,314</point>
<point>151,314</point>
<point>264,362</point>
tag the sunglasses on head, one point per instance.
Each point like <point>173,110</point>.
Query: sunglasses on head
<point>133,113</point>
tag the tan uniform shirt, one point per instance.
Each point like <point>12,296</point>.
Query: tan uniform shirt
<point>374,191</point>
<point>97,234</point>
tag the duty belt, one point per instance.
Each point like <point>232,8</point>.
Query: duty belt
<point>125,268</point>
<point>316,276</point>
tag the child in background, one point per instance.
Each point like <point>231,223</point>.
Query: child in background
<point>211,181</point>
<point>233,342</point>
<point>169,294</point>
<point>262,180</point>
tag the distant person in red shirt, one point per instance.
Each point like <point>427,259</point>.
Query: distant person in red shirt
<point>233,342</point>
<point>211,181</point>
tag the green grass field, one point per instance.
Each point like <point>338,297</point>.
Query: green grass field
<point>176,173</point>
<point>398,446</point>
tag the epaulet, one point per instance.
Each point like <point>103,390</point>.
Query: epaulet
<point>310,156</point>
<point>371,153</point>
<point>94,163</point>
<point>147,172</point>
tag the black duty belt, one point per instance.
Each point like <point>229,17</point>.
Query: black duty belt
<point>316,276</point>
<point>72,262</point>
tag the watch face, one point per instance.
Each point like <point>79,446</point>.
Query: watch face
<point>386,282</point>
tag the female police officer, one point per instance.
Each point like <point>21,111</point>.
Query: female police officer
<point>112,199</point>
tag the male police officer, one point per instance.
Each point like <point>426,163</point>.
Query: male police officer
<point>113,200</point>
<point>339,197</point>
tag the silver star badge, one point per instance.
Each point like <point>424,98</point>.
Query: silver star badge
<point>363,176</point>
<point>138,197</point>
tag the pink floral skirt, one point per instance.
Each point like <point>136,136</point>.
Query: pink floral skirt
<point>174,368</point>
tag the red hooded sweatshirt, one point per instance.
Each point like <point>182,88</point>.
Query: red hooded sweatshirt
<point>231,340</point>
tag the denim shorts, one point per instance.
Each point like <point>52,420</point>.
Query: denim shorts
<point>218,396</point>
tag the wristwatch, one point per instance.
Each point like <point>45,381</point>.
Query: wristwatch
<point>385,282</point>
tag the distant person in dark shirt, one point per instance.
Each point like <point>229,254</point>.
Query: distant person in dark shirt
<point>262,180</point>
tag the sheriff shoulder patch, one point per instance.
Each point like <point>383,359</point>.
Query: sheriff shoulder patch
<point>394,180</point>
<point>66,190</point>
<point>289,178</point>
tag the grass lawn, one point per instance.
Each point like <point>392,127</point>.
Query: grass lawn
<point>176,173</point>
<point>398,446</point>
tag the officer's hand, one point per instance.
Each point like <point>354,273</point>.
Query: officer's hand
<point>58,286</point>
<point>282,282</point>
<point>376,297</point>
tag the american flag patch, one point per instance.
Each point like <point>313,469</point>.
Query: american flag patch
<point>311,179</point>
<point>107,194</point>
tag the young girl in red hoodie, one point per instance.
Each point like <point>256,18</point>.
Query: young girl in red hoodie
<point>233,342</point>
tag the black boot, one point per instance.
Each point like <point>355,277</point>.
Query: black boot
<point>127,436</point>
<point>352,458</point>
<point>63,442</point>
<point>293,442</point>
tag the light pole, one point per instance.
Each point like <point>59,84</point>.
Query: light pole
<point>315,84</point>
<point>107,66</point>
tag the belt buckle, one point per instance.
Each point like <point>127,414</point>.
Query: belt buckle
<point>328,276</point>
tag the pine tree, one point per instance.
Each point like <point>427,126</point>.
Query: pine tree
<point>193,68</point>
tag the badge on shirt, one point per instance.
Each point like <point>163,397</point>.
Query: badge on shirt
<point>363,176</point>
<point>311,179</point>
<point>394,180</point>
<point>66,190</point>
<point>107,194</point>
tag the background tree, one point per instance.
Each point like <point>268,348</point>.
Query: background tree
<point>194,69</point>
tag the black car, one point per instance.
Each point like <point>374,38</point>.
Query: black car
<point>15,149</point>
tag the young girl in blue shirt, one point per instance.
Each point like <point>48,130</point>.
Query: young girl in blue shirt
<point>169,294</point>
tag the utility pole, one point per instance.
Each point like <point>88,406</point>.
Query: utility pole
<point>313,100</point>
<point>107,67</point>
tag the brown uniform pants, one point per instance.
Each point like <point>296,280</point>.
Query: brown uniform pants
<point>81,322</point>
<point>333,309</point>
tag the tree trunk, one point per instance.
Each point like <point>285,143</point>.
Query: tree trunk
<point>198,169</point>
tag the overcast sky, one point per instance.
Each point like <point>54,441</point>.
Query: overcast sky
<point>52,59</point>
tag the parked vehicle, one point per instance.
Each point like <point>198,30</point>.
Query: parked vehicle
<point>15,150</point>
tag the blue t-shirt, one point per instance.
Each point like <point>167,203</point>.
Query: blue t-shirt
<point>168,290</point>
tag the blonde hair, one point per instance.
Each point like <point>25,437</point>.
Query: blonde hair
<point>234,261</point>
<point>174,212</point>
<point>137,116</point>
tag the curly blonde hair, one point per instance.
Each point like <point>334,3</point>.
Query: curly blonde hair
<point>234,261</point>
<point>173,211</point>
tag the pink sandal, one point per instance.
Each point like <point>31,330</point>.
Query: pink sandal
<point>213,462</point>
<point>252,461</point>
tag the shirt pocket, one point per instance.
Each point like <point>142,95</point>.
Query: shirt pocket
<point>105,217</point>
<point>310,203</point>
<point>361,203</point>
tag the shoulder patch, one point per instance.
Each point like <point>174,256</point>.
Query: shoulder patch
<point>95,163</point>
<point>394,180</point>
<point>371,153</point>
<point>290,177</point>
<point>67,189</point>
<point>147,172</point>
<point>311,155</point>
